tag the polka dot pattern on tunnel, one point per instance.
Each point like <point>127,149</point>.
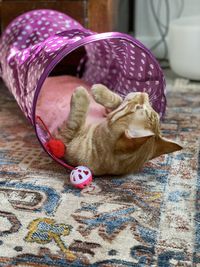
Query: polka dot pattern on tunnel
<point>34,40</point>
<point>124,67</point>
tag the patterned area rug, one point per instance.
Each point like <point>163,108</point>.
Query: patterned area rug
<point>147,219</point>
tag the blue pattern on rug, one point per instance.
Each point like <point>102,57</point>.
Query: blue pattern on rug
<point>138,220</point>
<point>52,197</point>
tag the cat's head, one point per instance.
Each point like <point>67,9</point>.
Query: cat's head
<point>138,128</point>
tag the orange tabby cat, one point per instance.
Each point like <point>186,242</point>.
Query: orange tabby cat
<point>121,143</point>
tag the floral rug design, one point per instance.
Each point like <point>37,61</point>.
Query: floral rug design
<point>151,218</point>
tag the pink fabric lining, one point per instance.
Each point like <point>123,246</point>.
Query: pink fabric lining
<point>54,101</point>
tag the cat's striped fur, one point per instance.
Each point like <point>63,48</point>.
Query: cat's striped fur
<point>127,137</point>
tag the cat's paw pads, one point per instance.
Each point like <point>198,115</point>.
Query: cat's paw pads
<point>80,95</point>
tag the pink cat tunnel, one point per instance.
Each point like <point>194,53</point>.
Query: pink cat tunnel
<point>34,43</point>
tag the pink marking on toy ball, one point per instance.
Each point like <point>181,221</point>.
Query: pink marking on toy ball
<point>80,180</point>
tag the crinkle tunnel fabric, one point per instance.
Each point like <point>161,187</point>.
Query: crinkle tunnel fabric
<point>36,41</point>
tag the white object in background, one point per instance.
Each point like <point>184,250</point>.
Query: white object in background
<point>184,47</point>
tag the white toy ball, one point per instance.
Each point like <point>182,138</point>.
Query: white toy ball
<point>80,177</point>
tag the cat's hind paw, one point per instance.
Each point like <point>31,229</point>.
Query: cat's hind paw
<point>80,97</point>
<point>99,93</point>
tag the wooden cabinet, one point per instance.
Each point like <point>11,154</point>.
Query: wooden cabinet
<point>97,15</point>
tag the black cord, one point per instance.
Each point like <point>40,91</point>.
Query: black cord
<point>158,24</point>
<point>163,28</point>
<point>159,7</point>
<point>182,5</point>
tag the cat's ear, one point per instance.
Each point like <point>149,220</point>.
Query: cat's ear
<point>138,133</point>
<point>165,146</point>
<point>132,140</point>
